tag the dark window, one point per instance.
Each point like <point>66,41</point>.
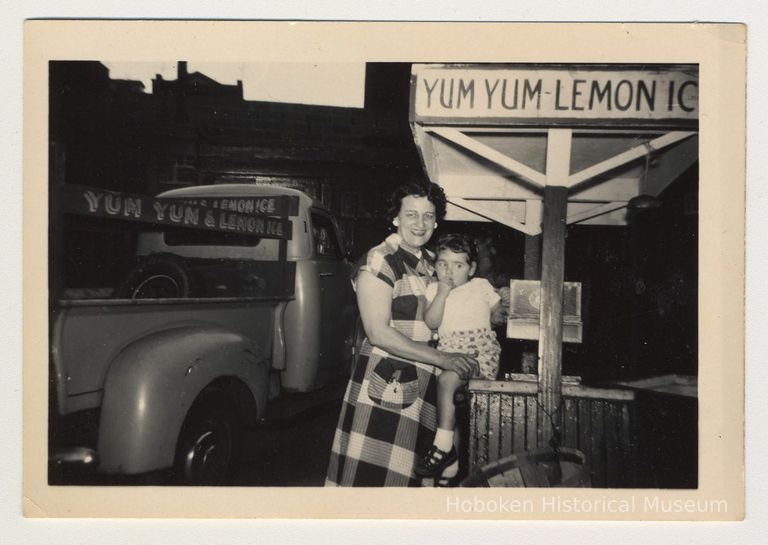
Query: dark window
<point>325,237</point>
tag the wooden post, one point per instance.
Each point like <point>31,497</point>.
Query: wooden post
<point>532,271</point>
<point>552,273</point>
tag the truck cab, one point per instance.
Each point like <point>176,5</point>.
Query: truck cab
<point>311,324</point>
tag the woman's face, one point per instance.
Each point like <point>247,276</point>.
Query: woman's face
<point>416,221</point>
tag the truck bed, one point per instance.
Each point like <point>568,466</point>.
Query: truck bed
<point>88,334</point>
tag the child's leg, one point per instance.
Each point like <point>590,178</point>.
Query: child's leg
<point>489,352</point>
<point>447,384</point>
<point>442,453</point>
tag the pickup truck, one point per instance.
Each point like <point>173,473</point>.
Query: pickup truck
<point>239,295</point>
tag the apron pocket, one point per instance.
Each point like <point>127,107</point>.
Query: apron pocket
<point>394,384</point>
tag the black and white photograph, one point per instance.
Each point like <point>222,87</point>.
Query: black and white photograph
<point>422,273</point>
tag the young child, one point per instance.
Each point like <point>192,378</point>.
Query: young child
<point>460,308</point>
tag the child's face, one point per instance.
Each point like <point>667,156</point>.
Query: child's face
<point>454,268</point>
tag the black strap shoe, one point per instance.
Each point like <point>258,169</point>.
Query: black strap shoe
<point>435,461</point>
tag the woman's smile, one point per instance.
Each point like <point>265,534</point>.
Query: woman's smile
<point>416,221</point>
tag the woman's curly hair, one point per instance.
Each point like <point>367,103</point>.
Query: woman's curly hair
<point>433,192</point>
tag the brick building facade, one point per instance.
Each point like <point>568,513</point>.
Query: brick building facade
<point>194,130</point>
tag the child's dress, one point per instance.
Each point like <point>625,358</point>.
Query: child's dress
<point>466,325</point>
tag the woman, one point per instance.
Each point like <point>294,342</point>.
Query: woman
<point>389,414</point>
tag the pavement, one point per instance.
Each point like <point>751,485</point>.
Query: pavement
<point>291,449</point>
<point>291,452</point>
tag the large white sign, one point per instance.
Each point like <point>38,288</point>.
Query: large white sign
<point>497,94</point>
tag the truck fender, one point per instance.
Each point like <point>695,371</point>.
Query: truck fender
<point>152,383</point>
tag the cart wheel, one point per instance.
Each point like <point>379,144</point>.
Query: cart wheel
<point>538,468</point>
<point>156,277</point>
<point>208,450</point>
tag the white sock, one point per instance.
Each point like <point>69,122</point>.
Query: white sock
<point>444,439</point>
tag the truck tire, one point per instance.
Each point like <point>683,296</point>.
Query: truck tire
<point>159,276</point>
<point>208,450</point>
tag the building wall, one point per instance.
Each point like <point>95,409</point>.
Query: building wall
<point>193,130</point>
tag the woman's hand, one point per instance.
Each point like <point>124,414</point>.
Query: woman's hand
<point>463,365</point>
<point>505,295</point>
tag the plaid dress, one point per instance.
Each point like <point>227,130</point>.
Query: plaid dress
<point>389,411</point>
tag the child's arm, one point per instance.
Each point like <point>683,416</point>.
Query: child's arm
<point>433,315</point>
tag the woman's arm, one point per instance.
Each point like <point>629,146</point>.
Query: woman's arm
<point>498,314</point>
<point>374,298</point>
<point>499,301</point>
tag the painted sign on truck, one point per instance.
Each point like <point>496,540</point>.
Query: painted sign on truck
<point>248,216</point>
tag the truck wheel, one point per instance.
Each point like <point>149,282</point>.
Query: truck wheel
<point>208,450</point>
<point>157,277</point>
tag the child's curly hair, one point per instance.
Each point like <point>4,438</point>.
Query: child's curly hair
<point>459,244</point>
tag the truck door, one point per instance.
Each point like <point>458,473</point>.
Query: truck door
<point>334,288</point>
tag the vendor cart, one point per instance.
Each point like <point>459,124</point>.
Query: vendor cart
<point>537,148</point>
